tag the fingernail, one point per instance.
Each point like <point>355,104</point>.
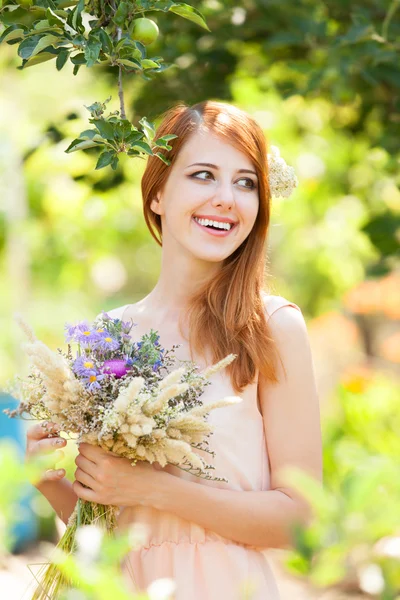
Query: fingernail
<point>60,472</point>
<point>58,442</point>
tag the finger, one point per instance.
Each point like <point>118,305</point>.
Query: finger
<point>84,493</point>
<point>42,430</point>
<point>53,474</point>
<point>47,445</point>
<point>86,465</point>
<point>90,452</point>
<point>44,461</point>
<point>85,478</point>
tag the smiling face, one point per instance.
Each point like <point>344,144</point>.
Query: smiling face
<point>207,211</point>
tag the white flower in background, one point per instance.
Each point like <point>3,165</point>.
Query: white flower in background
<point>138,534</point>
<point>388,546</point>
<point>282,178</point>
<point>370,579</point>
<point>88,538</point>
<point>161,589</point>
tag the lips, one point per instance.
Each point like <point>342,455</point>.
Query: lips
<point>214,232</point>
<point>216,218</point>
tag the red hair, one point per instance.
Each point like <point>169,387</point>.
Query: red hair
<point>227,314</point>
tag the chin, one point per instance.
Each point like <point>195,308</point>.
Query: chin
<point>211,257</point>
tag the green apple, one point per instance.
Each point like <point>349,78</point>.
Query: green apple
<point>145,31</point>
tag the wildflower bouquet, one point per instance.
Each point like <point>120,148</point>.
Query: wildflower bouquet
<point>122,396</point>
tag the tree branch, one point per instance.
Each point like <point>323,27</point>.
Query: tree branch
<point>120,88</point>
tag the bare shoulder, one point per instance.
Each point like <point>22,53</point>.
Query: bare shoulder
<point>285,312</point>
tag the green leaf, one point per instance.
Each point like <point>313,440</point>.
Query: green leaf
<point>123,129</point>
<point>163,158</point>
<point>76,69</point>
<point>148,64</point>
<point>78,59</point>
<point>54,19</point>
<point>162,143</point>
<point>142,146</point>
<point>28,45</point>
<point>39,58</point>
<point>133,64</point>
<point>105,159</point>
<point>81,145</point>
<point>134,136</point>
<point>188,12</point>
<point>126,48</point>
<point>76,19</point>
<point>148,128</point>
<point>46,40</point>
<point>167,138</point>
<point>88,133</point>
<point>106,42</point>
<point>12,33</point>
<point>92,50</point>
<point>121,14</point>
<point>105,129</point>
<point>62,59</point>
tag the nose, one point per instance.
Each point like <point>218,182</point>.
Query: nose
<point>224,196</point>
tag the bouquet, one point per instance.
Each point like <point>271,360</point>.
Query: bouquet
<point>122,396</point>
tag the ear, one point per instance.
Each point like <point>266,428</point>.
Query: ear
<point>156,205</point>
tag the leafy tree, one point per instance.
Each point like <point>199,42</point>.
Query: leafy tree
<point>46,30</point>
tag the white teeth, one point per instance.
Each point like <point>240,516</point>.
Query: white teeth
<point>218,224</point>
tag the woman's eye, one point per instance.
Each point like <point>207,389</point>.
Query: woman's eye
<point>252,185</point>
<point>198,172</point>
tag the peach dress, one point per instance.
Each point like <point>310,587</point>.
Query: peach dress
<point>203,564</point>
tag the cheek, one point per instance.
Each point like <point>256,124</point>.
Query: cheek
<point>249,212</point>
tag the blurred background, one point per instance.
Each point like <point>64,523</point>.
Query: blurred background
<point>322,78</point>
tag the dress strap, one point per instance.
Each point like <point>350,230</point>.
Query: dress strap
<point>273,303</point>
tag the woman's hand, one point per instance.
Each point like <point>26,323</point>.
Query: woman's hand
<point>112,480</point>
<point>39,442</point>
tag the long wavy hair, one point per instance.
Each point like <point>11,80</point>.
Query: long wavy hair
<point>227,314</point>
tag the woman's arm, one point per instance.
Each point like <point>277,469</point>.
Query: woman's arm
<point>263,519</point>
<point>60,495</point>
<point>291,418</point>
<point>42,438</point>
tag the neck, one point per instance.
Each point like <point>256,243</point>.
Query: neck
<point>181,275</point>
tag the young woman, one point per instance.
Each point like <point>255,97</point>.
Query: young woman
<point>210,212</point>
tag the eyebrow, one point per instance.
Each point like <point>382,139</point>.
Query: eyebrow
<point>215,167</point>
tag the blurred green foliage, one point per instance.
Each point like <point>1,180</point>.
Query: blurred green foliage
<point>357,518</point>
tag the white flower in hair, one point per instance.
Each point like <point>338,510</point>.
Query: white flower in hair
<point>282,178</point>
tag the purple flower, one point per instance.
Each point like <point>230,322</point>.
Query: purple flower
<point>125,337</point>
<point>84,366</point>
<point>92,381</point>
<point>105,343</point>
<point>82,333</point>
<point>105,316</point>
<point>117,366</point>
<point>126,326</point>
